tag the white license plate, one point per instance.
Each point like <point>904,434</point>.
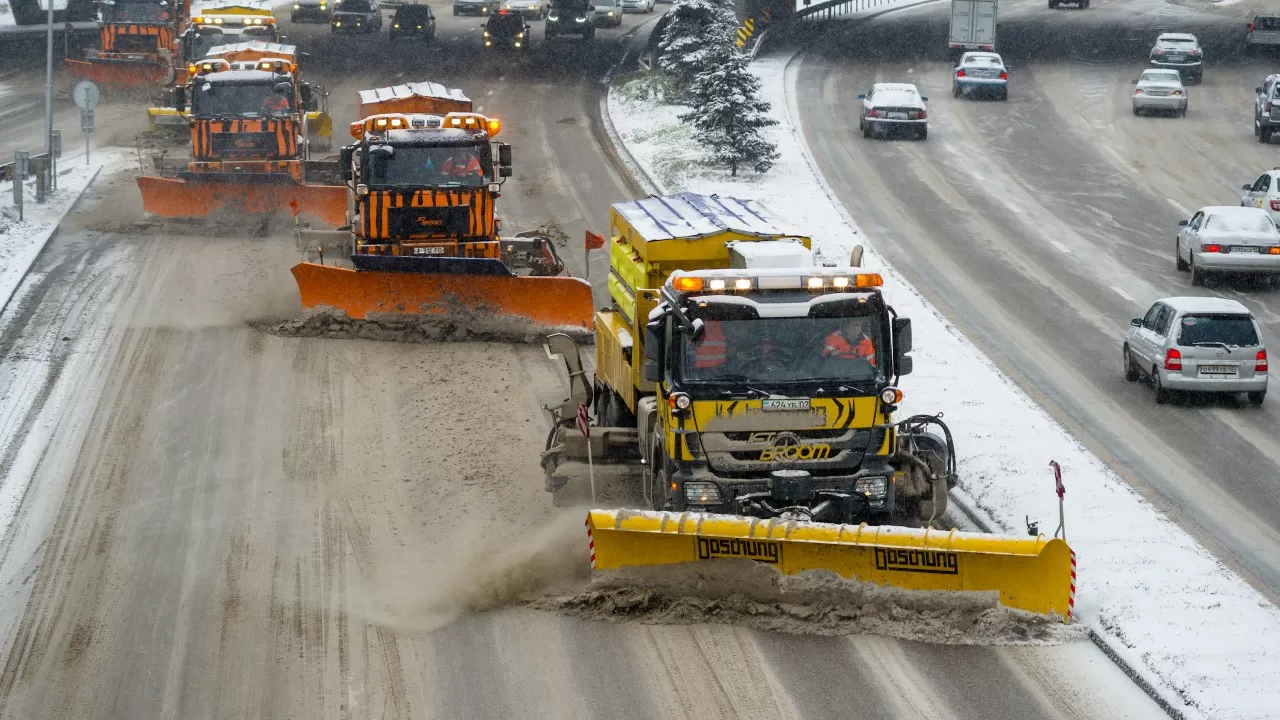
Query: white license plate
<point>1176,58</point>
<point>1217,370</point>
<point>1244,249</point>
<point>428,251</point>
<point>897,116</point>
<point>777,404</point>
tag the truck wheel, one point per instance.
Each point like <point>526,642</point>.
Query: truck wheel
<point>656,494</point>
<point>1130,370</point>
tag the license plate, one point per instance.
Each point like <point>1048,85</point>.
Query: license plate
<point>1217,370</point>
<point>428,251</point>
<point>1244,249</point>
<point>777,404</point>
<point>1175,58</point>
<point>897,116</point>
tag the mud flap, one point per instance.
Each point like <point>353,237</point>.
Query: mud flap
<point>1032,574</point>
<point>177,198</point>
<point>547,302</point>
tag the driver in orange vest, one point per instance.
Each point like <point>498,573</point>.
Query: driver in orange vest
<point>275,104</point>
<point>710,352</point>
<point>462,164</point>
<point>850,342</point>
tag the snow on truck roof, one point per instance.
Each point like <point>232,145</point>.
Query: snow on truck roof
<point>408,90</point>
<point>267,48</point>
<point>688,215</point>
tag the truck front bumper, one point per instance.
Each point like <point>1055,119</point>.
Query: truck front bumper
<point>697,488</point>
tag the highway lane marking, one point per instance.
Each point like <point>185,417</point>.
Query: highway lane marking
<point>1178,206</point>
<point>1061,248</point>
<point>1124,294</point>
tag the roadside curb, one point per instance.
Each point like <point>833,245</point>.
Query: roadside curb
<point>43,243</point>
<point>649,185</point>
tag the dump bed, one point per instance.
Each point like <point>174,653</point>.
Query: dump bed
<point>252,51</point>
<point>420,97</point>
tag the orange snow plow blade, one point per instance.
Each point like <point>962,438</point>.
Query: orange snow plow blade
<point>182,198</point>
<point>1035,574</point>
<point>454,289</point>
<point>117,73</point>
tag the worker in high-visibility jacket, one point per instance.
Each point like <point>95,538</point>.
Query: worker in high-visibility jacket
<point>711,351</point>
<point>850,342</point>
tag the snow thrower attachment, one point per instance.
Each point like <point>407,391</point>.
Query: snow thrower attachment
<point>1033,574</point>
<point>422,229</point>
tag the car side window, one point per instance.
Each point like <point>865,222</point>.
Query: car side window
<point>1196,220</point>
<point>1149,320</point>
<point>1260,185</point>
<point>1165,320</point>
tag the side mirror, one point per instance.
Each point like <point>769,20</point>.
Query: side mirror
<point>304,92</point>
<point>699,331</point>
<point>1183,223</point>
<point>1257,89</point>
<point>504,171</point>
<point>1136,322</point>
<point>902,345</point>
<point>924,99</point>
<point>504,156</point>
<point>344,161</point>
<point>653,350</point>
<point>1247,188</point>
<point>178,96</point>
<point>1135,82</point>
<point>904,365</point>
<point>862,96</point>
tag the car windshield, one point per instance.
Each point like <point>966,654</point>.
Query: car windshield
<point>413,12</point>
<point>138,12</point>
<point>982,60</point>
<point>764,351</point>
<point>241,100</point>
<point>426,167</point>
<point>1232,330</point>
<point>1266,24</point>
<point>1240,222</point>
<point>354,6</point>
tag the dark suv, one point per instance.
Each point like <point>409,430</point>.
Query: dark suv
<point>413,21</point>
<point>506,30</point>
<point>352,16</point>
<point>1266,109</point>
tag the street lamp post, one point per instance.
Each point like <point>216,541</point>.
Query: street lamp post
<point>48,92</point>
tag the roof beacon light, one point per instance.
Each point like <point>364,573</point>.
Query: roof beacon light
<point>716,284</point>
<point>742,284</point>
<point>473,121</point>
<point>687,284</point>
<point>815,283</point>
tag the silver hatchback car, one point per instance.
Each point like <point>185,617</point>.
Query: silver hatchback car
<point>1197,344</point>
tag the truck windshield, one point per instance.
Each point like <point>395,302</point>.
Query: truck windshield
<point>241,100</point>
<point>138,12</point>
<point>786,350</point>
<point>427,167</point>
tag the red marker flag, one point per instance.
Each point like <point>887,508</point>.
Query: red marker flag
<point>583,420</point>
<point>594,241</point>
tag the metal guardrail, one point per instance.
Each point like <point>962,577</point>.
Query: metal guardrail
<point>7,170</point>
<point>835,8</point>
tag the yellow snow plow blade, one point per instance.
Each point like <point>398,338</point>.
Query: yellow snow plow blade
<point>1032,574</point>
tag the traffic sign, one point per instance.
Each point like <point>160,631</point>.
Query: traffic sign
<point>86,94</point>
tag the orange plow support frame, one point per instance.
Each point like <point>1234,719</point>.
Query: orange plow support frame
<point>117,74</point>
<point>555,302</point>
<point>175,198</point>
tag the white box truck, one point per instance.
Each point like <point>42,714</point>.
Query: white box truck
<point>973,26</point>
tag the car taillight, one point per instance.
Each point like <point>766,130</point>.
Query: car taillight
<point>1173,360</point>
<point>1260,365</point>
<point>873,113</point>
<point>1004,75</point>
<point>1275,205</point>
<point>988,48</point>
<point>918,115</point>
<point>1211,248</point>
<point>1193,52</point>
<point>1138,91</point>
<point>1250,27</point>
<point>959,73</point>
<point>1273,250</point>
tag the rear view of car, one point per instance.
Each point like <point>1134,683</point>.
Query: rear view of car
<point>642,6</point>
<point>413,22</point>
<point>1197,345</point>
<point>506,30</point>
<point>1228,240</point>
<point>980,73</point>
<point>1264,33</point>
<point>1181,52</point>
<point>1159,91</point>
<point>893,108</point>
<point>1266,109</point>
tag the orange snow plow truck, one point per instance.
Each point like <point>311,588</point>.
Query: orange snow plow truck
<point>421,234</point>
<point>138,41</point>
<point>750,396</point>
<point>252,124</point>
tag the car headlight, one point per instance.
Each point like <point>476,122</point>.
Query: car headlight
<point>296,6</point>
<point>520,36</point>
<point>486,33</point>
<point>700,492</point>
<point>581,19</point>
<point>553,18</point>
<point>396,26</point>
<point>337,23</point>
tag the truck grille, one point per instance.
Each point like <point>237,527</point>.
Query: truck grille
<point>243,144</point>
<point>821,452</point>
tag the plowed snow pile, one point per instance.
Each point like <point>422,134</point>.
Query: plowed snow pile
<point>458,327</point>
<point>745,593</point>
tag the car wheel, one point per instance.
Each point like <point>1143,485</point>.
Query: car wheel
<point>923,134</point>
<point>1053,4</point>
<point>1136,111</point>
<point>955,91</point>
<point>1197,275</point>
<point>1256,398</point>
<point>1162,395</point>
<point>1177,257</point>
<point>1130,370</point>
<point>1183,111</point>
<point>1004,94</point>
<point>866,129</point>
<point>1084,5</point>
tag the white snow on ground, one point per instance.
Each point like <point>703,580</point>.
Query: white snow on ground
<point>1204,638</point>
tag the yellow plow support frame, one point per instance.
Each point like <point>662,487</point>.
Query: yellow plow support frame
<point>1032,574</point>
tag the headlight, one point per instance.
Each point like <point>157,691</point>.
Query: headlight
<point>337,23</point>
<point>519,36</point>
<point>486,33</point>
<point>581,19</point>
<point>891,396</point>
<point>396,26</point>
<point>873,488</point>
<point>680,401</point>
<point>699,492</point>
<point>553,18</point>
<point>296,6</point>
<point>517,43</point>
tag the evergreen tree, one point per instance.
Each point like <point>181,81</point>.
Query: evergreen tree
<point>728,114</point>
<point>696,32</point>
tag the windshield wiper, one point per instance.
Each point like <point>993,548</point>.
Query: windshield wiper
<point>842,385</point>
<point>740,381</point>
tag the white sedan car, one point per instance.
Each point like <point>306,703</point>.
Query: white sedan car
<point>1228,239</point>
<point>893,107</point>
<point>1264,193</point>
<point>1160,91</point>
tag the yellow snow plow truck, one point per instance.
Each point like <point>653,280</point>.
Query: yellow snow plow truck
<point>751,393</point>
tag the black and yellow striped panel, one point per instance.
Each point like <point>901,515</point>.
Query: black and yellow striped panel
<point>376,222</point>
<point>217,139</point>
